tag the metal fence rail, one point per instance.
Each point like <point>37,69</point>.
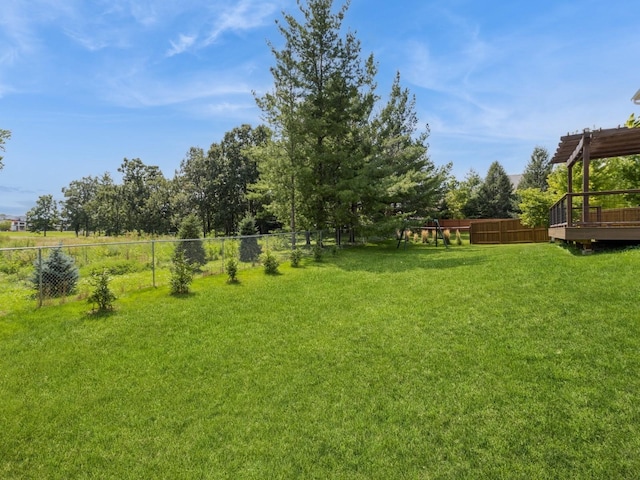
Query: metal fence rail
<point>49,274</point>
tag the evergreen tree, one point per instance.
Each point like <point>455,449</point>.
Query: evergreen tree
<point>181,273</point>
<point>537,170</point>
<point>249,248</point>
<point>57,275</point>
<point>102,295</point>
<point>191,246</point>
<point>323,95</point>
<point>399,179</point>
<point>495,197</point>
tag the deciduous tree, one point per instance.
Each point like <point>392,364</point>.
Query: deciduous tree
<point>233,170</point>
<point>195,180</point>
<point>461,195</point>
<point>44,216</point>
<point>79,199</point>
<point>137,182</point>
<point>4,136</point>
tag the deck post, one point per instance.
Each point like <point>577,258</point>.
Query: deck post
<point>586,153</point>
<point>570,195</point>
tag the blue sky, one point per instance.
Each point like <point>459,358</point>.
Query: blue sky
<point>86,83</point>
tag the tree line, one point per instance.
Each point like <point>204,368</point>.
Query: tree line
<point>332,154</point>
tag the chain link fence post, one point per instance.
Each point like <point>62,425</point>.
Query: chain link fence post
<point>153,263</point>
<point>222,255</point>
<point>40,293</point>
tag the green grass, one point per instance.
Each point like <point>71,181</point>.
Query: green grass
<point>475,362</point>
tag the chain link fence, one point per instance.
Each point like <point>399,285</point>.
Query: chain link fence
<point>55,274</point>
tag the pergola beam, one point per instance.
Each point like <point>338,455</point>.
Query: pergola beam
<point>577,152</point>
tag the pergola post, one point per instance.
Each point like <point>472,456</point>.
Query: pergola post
<point>570,194</point>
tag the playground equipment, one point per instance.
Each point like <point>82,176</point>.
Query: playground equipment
<point>402,235</point>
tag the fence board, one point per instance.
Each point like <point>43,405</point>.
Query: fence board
<point>501,231</point>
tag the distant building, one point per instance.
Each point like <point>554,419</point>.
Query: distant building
<point>18,224</point>
<point>515,180</point>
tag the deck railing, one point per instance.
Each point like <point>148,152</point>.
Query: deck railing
<point>613,208</point>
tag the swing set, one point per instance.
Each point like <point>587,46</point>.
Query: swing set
<point>402,235</point>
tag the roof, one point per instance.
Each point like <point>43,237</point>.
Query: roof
<point>612,142</point>
<point>515,179</point>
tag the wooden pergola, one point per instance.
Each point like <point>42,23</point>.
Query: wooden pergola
<point>588,224</point>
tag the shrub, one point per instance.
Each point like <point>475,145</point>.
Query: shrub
<point>57,275</point>
<point>317,252</point>
<point>102,296</point>
<point>5,226</point>
<point>117,267</point>
<point>458,238</point>
<point>181,273</point>
<point>191,245</point>
<point>231,267</point>
<point>295,257</point>
<point>249,248</point>
<point>271,263</point>
<point>535,205</point>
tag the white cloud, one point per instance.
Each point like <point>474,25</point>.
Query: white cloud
<point>245,15</point>
<point>137,90</point>
<point>243,110</point>
<point>183,44</point>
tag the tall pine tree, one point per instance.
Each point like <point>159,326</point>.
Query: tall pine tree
<point>495,197</point>
<point>332,162</point>
<point>321,100</point>
<point>537,170</point>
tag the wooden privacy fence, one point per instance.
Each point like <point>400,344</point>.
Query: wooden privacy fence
<point>454,224</point>
<point>505,231</point>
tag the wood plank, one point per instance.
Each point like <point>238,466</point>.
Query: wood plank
<point>576,234</point>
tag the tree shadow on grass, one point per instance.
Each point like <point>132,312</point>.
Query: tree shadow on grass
<point>183,296</point>
<point>100,314</point>
<point>386,258</point>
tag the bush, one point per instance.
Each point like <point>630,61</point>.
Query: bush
<point>271,263</point>
<point>231,267</point>
<point>191,245</point>
<point>295,257</point>
<point>57,275</point>
<point>317,252</point>
<point>117,267</point>
<point>181,273</point>
<point>458,238</point>
<point>249,248</point>
<point>535,205</point>
<point>5,226</point>
<point>102,296</point>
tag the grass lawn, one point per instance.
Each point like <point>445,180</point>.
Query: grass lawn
<point>473,362</point>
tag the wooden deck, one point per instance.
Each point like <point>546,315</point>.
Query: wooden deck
<point>601,222</point>
<point>584,234</point>
<point>596,216</point>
